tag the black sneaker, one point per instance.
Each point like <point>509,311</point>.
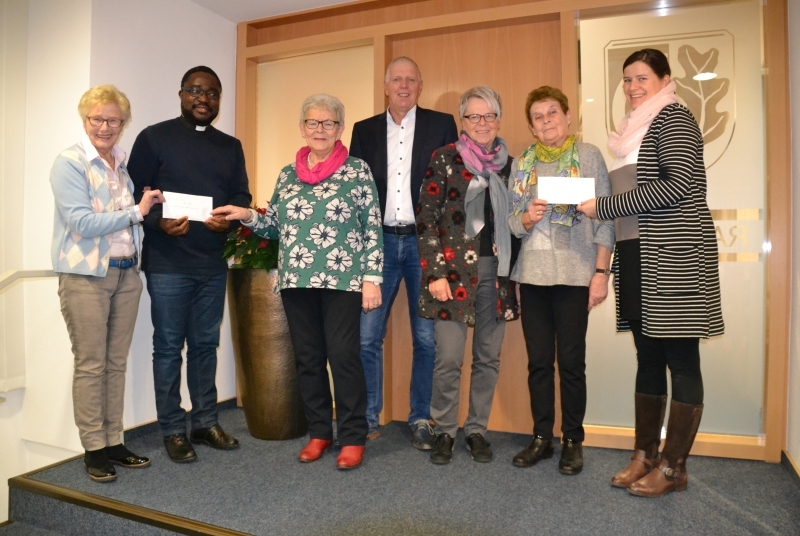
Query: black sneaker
<point>442,452</point>
<point>479,448</point>
<point>422,435</point>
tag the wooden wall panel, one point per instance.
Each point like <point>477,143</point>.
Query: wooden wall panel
<point>779,230</point>
<point>364,14</point>
<point>513,59</point>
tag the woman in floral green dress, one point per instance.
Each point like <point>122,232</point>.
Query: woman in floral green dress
<point>326,215</point>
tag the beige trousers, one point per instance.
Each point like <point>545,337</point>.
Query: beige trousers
<point>100,313</point>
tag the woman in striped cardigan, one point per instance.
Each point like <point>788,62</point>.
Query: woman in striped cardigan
<point>665,267</point>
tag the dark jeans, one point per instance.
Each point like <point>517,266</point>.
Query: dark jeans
<point>681,355</point>
<point>185,308</point>
<point>554,322</point>
<point>400,261</point>
<point>324,326</point>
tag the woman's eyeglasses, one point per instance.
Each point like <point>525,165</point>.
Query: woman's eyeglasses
<point>97,121</point>
<point>476,118</point>
<point>328,124</point>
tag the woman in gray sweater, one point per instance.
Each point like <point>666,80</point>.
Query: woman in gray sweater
<point>563,271</point>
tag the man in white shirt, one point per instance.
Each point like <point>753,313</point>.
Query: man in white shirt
<point>397,145</point>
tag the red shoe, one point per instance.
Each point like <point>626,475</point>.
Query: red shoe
<point>350,457</point>
<point>314,449</point>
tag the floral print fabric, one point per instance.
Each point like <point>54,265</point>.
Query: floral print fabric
<point>445,249</point>
<point>330,233</point>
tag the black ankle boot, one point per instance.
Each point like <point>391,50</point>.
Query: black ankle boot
<point>571,462</point>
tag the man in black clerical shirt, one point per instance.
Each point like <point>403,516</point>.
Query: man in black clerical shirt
<point>182,259</point>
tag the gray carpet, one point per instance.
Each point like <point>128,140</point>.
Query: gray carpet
<point>23,529</point>
<point>262,489</point>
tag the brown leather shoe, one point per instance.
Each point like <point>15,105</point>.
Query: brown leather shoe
<point>314,449</point>
<point>670,473</point>
<point>350,457</point>
<point>649,420</point>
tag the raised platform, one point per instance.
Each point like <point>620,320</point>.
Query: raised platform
<point>262,489</point>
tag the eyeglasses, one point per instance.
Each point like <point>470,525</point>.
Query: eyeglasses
<point>476,118</point>
<point>97,121</point>
<point>328,124</point>
<point>196,91</point>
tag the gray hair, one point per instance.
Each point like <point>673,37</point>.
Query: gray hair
<point>323,101</point>
<point>401,59</point>
<point>490,96</point>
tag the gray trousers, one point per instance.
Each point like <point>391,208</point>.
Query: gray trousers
<point>100,313</point>
<point>451,339</point>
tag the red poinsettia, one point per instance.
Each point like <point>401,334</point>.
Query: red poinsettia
<point>249,250</point>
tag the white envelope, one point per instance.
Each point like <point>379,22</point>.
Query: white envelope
<point>196,207</point>
<point>565,190</point>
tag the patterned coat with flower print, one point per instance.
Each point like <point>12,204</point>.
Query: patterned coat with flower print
<point>445,249</point>
<point>330,233</point>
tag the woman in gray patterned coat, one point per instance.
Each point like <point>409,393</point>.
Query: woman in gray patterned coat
<point>465,251</point>
<point>666,267</point>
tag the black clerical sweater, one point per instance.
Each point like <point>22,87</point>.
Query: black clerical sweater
<point>174,157</point>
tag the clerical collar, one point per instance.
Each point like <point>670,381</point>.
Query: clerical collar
<point>192,126</point>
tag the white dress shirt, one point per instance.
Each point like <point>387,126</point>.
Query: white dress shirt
<point>399,142</point>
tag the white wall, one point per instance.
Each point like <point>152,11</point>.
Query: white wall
<point>65,47</point>
<point>793,435</point>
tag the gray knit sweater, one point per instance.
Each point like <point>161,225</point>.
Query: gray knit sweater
<point>556,254</point>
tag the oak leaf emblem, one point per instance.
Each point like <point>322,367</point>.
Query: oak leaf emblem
<point>702,96</point>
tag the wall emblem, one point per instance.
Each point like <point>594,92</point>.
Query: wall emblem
<point>703,69</point>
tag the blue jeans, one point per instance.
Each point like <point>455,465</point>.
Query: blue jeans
<point>401,260</point>
<point>185,308</point>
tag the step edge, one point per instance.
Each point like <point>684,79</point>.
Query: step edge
<point>139,514</point>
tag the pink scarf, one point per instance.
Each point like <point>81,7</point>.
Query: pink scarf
<point>478,158</point>
<point>323,169</point>
<point>634,126</point>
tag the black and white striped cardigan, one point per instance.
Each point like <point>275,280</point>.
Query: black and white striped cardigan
<point>680,263</point>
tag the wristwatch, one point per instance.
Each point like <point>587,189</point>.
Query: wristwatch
<point>601,271</point>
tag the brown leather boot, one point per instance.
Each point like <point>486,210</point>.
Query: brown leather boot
<point>670,473</point>
<point>650,411</point>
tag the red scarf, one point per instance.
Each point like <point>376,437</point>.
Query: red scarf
<point>323,169</point>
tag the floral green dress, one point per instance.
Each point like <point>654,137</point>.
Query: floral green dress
<point>330,233</point>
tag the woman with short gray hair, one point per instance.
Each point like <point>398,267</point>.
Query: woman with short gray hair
<point>465,250</point>
<point>325,213</point>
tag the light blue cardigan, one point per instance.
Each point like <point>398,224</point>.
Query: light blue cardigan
<point>85,217</point>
